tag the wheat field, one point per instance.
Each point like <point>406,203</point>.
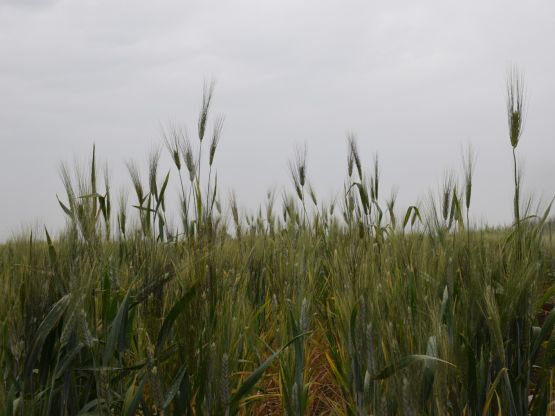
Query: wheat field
<point>350,307</point>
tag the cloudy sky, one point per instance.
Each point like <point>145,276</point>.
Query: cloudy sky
<point>415,80</point>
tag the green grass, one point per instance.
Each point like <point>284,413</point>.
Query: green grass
<point>353,307</point>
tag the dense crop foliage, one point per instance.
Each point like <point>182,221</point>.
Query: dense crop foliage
<point>352,307</point>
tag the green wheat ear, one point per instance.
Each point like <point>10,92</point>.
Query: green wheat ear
<point>136,180</point>
<point>207,94</point>
<point>218,127</point>
<point>153,162</point>
<point>515,105</point>
<point>297,168</point>
<point>468,161</point>
<point>515,118</point>
<point>172,139</point>
<point>353,156</point>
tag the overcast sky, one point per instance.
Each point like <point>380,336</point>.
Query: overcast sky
<point>415,80</point>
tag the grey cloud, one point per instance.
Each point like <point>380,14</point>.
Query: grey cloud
<point>414,81</point>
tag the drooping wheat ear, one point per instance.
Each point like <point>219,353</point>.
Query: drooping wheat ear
<point>172,139</point>
<point>515,104</point>
<point>312,194</point>
<point>136,179</point>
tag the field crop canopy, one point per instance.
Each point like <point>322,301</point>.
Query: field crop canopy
<point>355,306</point>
